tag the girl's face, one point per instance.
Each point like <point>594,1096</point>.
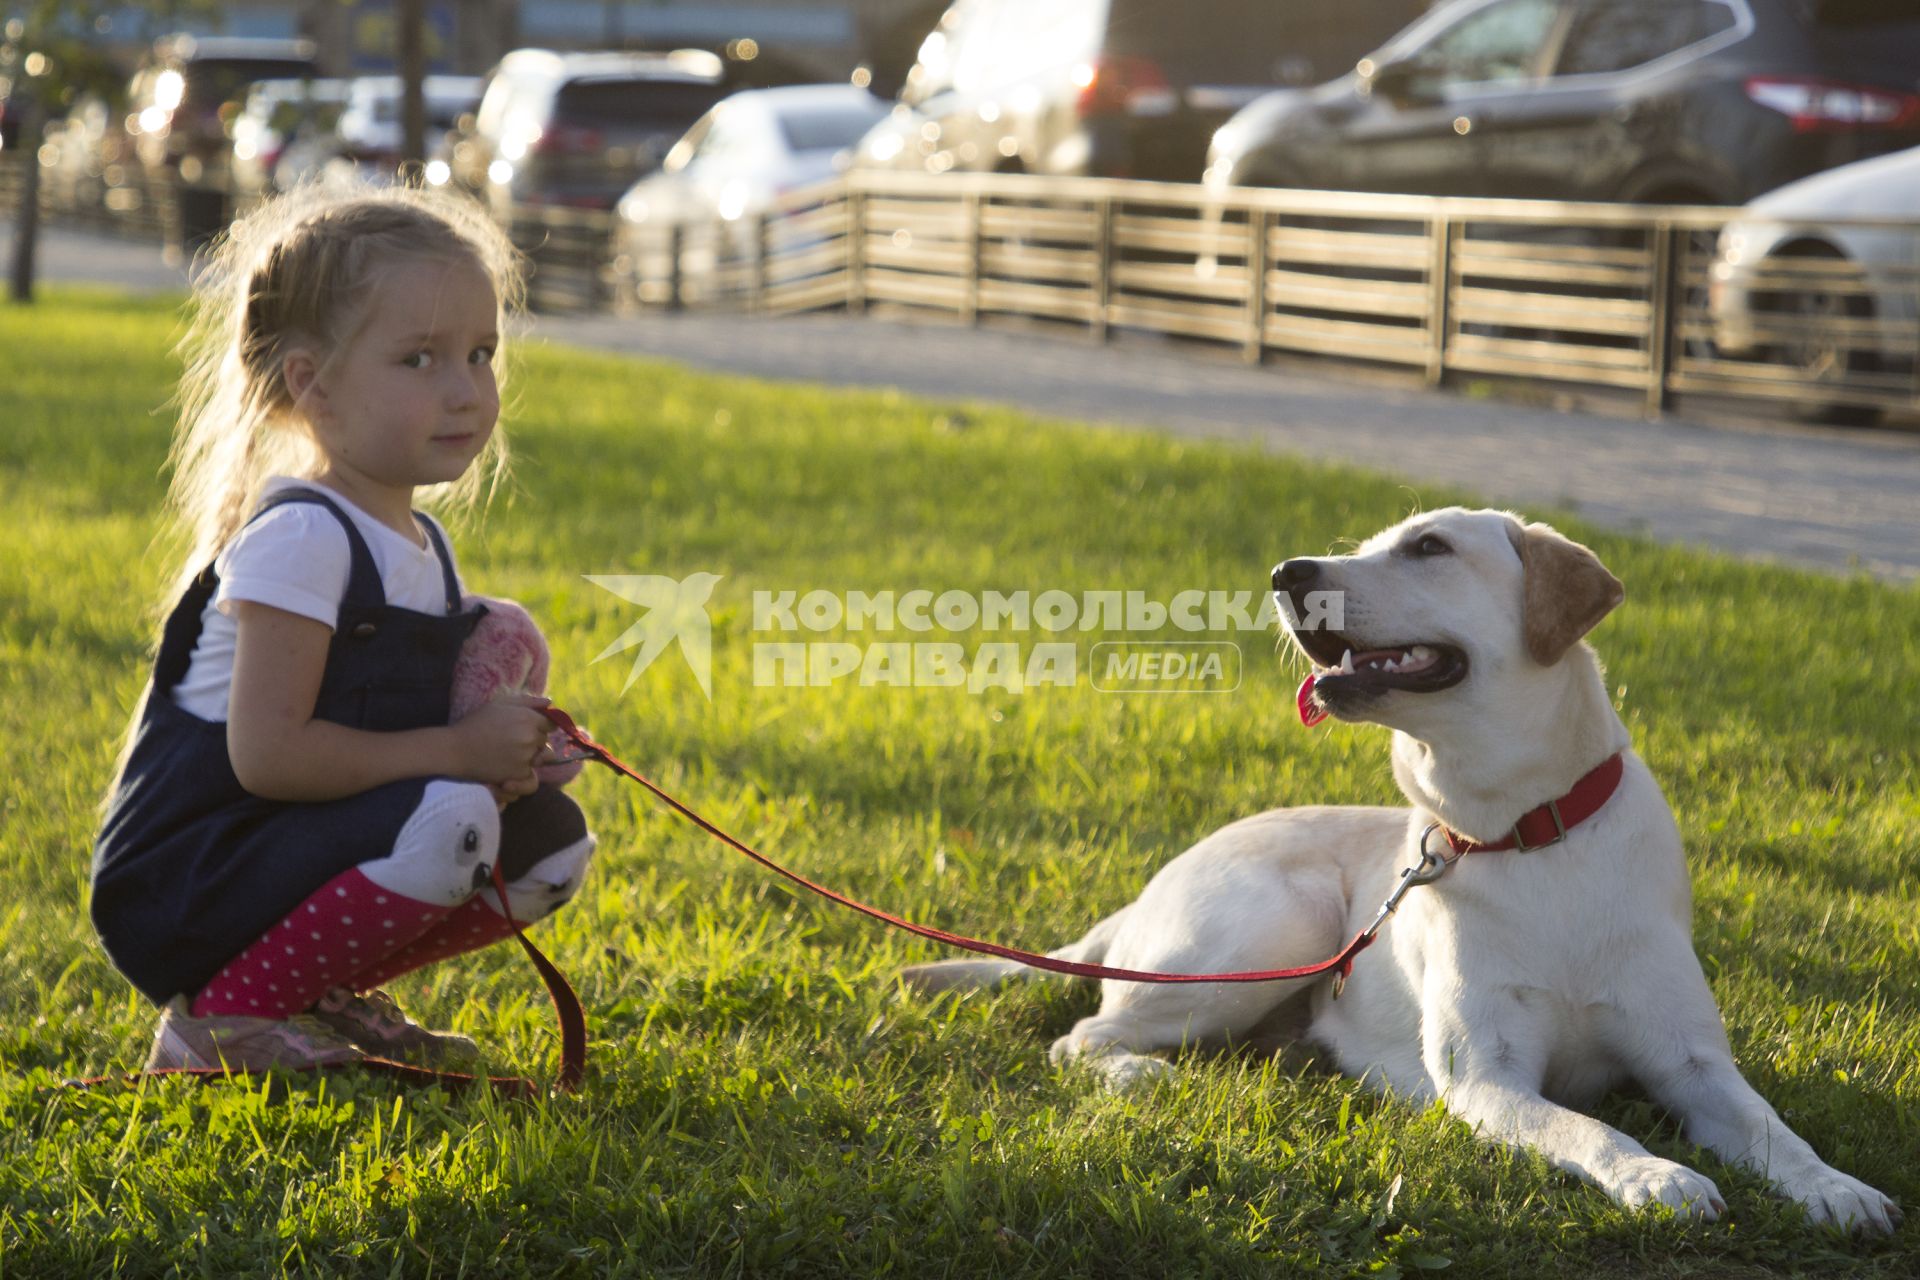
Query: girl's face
<point>411,399</point>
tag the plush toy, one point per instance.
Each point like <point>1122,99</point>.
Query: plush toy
<point>507,654</point>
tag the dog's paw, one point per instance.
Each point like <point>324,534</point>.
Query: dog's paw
<point>1649,1180</point>
<point>1126,1071</point>
<point>1831,1198</point>
<point>1116,1068</point>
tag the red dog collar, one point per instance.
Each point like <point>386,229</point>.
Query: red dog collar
<point>1549,824</point>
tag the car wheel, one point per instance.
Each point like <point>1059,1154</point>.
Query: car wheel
<point>1818,356</point>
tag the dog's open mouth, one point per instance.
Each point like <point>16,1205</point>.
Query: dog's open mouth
<point>1347,671</point>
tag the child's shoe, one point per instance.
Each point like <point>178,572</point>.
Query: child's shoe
<point>375,1025</point>
<point>245,1044</point>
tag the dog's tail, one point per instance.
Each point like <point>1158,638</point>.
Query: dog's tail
<point>983,972</point>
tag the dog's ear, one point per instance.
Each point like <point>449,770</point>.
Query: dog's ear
<point>1567,590</point>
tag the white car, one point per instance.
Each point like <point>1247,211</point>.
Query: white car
<point>1797,282</point>
<point>736,161</point>
<point>369,134</point>
<point>275,114</point>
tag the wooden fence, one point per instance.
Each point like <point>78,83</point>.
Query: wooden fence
<point>1607,294</point>
<point>1599,294</point>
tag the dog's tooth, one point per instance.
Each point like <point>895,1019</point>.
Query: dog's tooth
<point>1346,663</point>
<point>1391,665</point>
<point>1420,653</point>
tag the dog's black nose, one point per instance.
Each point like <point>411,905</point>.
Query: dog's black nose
<point>1291,575</point>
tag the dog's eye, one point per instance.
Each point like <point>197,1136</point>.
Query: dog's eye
<point>1430,545</point>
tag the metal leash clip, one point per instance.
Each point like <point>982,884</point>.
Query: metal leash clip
<point>568,757</point>
<point>1430,868</point>
<point>580,743</point>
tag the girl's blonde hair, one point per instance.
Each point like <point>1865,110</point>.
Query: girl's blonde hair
<point>300,269</point>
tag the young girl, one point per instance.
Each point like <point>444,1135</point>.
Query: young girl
<point>294,821</point>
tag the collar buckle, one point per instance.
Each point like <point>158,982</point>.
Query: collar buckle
<point>1559,829</point>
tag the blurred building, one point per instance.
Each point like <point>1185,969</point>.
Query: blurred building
<point>359,37</point>
<point>353,35</point>
<point>1331,35</point>
<point>818,37</point>
<point>796,39</point>
<point>769,41</point>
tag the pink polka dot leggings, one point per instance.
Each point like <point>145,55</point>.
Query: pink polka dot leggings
<point>430,898</point>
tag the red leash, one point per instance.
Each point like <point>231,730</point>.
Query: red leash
<point>566,1005</point>
<point>1587,797</point>
<point>1342,962</point>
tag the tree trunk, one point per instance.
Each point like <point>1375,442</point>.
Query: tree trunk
<point>26,219</point>
<point>413,95</point>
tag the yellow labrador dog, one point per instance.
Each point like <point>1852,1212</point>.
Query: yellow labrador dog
<point>1521,982</point>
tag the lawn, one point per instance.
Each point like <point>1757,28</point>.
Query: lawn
<point>762,1100</point>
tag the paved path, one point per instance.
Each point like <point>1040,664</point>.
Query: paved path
<point>1827,499</point>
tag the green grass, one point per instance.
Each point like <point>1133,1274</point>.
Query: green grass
<point>761,1099</point>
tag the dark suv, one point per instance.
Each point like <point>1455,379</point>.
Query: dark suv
<point>1664,101</point>
<point>178,114</point>
<point>578,129</point>
<point>1108,88</point>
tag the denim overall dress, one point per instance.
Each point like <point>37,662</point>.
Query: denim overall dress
<point>189,868</point>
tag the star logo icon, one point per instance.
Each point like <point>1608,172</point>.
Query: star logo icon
<point>676,610</point>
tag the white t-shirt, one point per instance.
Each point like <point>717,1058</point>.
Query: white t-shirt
<point>296,558</point>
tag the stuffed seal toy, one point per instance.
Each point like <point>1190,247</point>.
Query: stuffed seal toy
<point>507,654</point>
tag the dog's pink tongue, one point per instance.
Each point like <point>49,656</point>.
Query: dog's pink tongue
<point>1310,712</point>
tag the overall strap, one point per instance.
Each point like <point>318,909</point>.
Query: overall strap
<point>182,631</point>
<point>181,634</point>
<point>447,574</point>
<point>363,579</point>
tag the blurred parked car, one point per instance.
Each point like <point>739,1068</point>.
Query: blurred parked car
<point>578,129</point>
<point>751,148</point>
<point>1665,101</point>
<point>1109,88</point>
<point>890,39</point>
<point>273,114</point>
<point>1791,285</point>
<point>87,158</point>
<point>466,152</point>
<point>737,160</point>
<point>368,137</point>
<point>179,116</point>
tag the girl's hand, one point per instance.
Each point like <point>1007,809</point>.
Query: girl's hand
<point>505,793</point>
<point>281,752</point>
<point>498,742</point>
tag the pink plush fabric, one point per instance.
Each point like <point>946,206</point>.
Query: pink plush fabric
<point>507,653</point>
